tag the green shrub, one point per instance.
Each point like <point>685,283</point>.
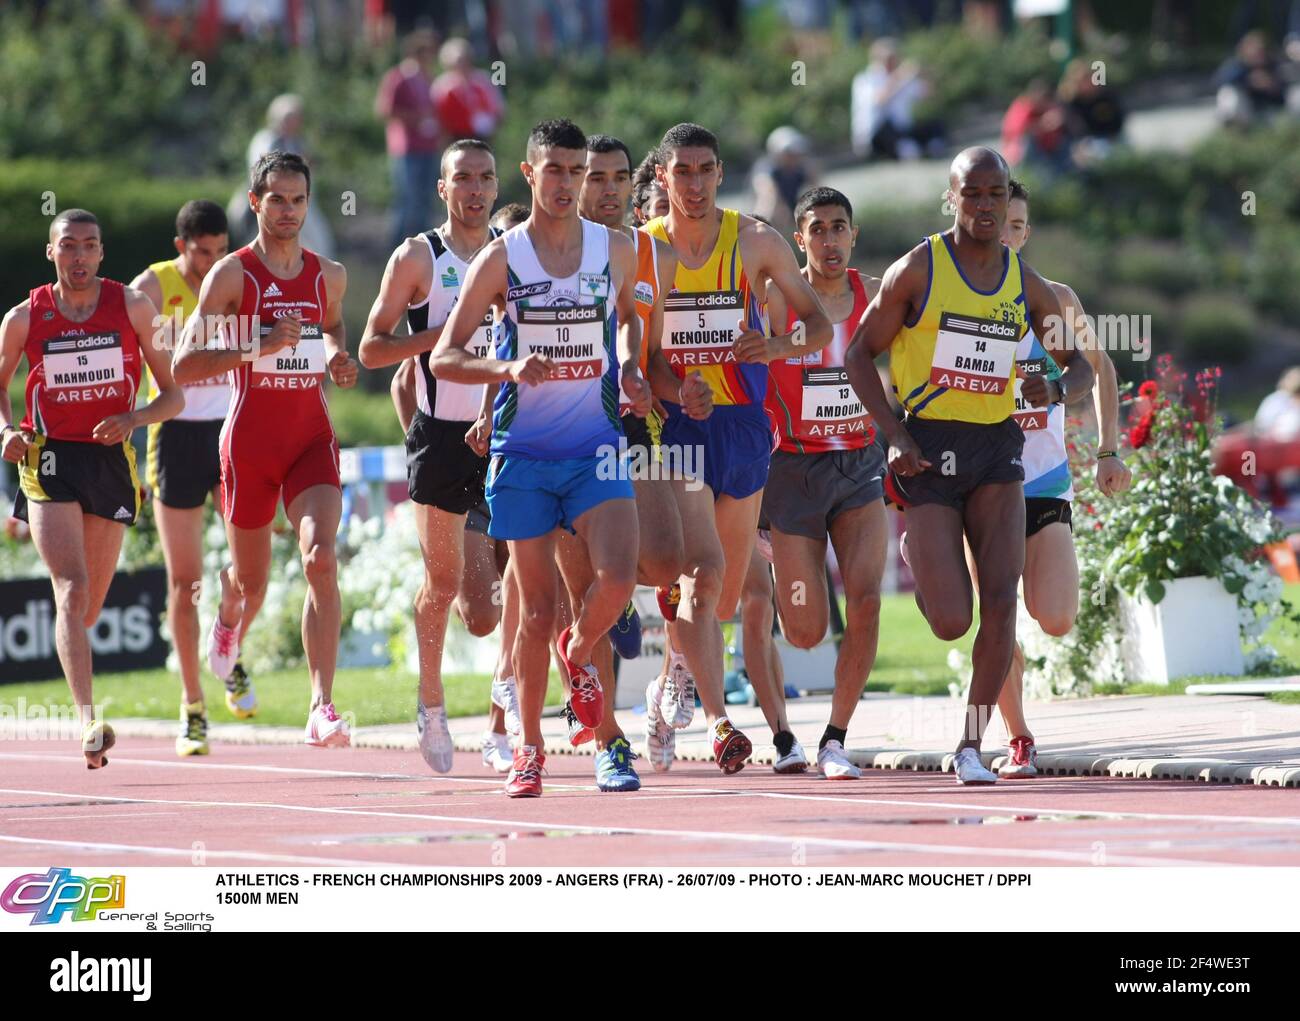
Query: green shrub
<point>1218,327</point>
<point>1158,265</point>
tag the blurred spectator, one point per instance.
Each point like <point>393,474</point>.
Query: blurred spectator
<point>1034,128</point>
<point>466,102</point>
<point>283,131</point>
<point>884,98</point>
<point>780,177</point>
<point>1250,83</point>
<point>1278,417</point>
<point>1094,114</point>
<point>405,103</point>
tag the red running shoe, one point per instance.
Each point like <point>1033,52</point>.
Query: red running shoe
<point>585,694</point>
<point>731,748</point>
<point>668,599</point>
<point>525,780</point>
<point>578,734</point>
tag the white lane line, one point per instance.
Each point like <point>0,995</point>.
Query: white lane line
<point>787,840</point>
<point>47,818</point>
<point>189,852</point>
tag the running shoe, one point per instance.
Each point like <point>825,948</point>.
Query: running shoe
<point>614,770</point>
<point>660,739</point>
<point>223,648</point>
<point>1022,759</point>
<point>585,694</point>
<point>834,764</point>
<point>902,549</point>
<point>497,754</point>
<point>731,748</point>
<point>96,739</point>
<point>505,696</point>
<point>668,599</point>
<point>970,770</point>
<point>435,738</point>
<point>525,780</point>
<point>625,635</point>
<point>677,705</point>
<point>579,733</point>
<point>193,739</point>
<point>326,728</point>
<point>793,761</point>
<point>241,699</point>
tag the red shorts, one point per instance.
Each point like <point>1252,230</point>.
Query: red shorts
<point>254,475</point>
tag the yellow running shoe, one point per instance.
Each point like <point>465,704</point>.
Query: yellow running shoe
<point>193,739</point>
<point>241,700</point>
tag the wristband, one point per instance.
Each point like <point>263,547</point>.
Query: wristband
<point>1107,453</point>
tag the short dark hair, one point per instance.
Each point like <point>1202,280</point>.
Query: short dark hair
<point>557,133</point>
<point>643,179</point>
<point>680,136</point>
<point>461,145</point>
<point>200,218</point>
<point>73,216</point>
<point>510,215</point>
<point>1018,191</point>
<point>608,143</point>
<point>277,160</point>
<point>820,196</point>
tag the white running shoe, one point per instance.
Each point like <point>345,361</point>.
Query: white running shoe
<point>505,696</point>
<point>970,769</point>
<point>793,761</point>
<point>1022,759</point>
<point>677,704</point>
<point>835,764</point>
<point>660,739</point>
<point>326,728</point>
<point>497,753</point>
<point>223,648</point>
<point>435,738</point>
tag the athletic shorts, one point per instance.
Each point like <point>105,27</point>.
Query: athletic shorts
<point>735,442</point>
<point>259,474</point>
<point>478,517</point>
<point>184,461</point>
<point>102,479</point>
<point>963,456</point>
<point>806,492</point>
<point>442,470</point>
<point>1041,511</point>
<point>529,498</point>
<point>637,431</point>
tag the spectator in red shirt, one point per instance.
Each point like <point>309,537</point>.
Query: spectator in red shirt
<point>468,104</point>
<point>405,102</point>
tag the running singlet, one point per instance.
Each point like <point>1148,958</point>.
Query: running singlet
<point>700,315</point>
<point>451,402</point>
<point>1047,467</point>
<point>79,373</point>
<point>209,398</point>
<point>956,360</point>
<point>573,322</point>
<point>814,406</point>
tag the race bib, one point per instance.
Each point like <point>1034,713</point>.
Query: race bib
<point>300,367</point>
<point>829,399</point>
<point>1028,416</point>
<point>480,346</point>
<point>975,355</point>
<point>572,336</point>
<point>94,360</point>
<point>699,328</point>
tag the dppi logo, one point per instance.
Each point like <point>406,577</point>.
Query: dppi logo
<point>47,898</point>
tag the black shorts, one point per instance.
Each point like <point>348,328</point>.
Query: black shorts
<point>1041,511</point>
<point>638,434</point>
<point>477,518</point>
<point>963,456</point>
<point>806,492</point>
<point>184,461</point>
<point>102,479</point>
<point>441,469</point>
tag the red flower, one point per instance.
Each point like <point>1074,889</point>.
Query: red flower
<point>1141,432</point>
<point>1149,389</point>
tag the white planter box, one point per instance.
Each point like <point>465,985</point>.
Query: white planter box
<point>1193,630</point>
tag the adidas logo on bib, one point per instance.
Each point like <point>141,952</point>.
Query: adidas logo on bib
<point>272,291</point>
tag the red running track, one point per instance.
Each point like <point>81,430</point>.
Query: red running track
<point>260,805</point>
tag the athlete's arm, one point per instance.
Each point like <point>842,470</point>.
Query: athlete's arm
<point>484,286</point>
<point>402,390</point>
<point>200,352</point>
<point>622,256</point>
<point>342,366</point>
<point>1056,333</point>
<point>693,394</point>
<point>775,261</point>
<point>1112,475</point>
<point>154,341</point>
<point>408,268</point>
<point>479,437</point>
<point>13,340</point>
<point>147,282</point>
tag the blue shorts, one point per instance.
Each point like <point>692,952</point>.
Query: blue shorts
<point>529,498</point>
<point>736,442</point>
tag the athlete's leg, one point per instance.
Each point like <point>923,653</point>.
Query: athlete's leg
<point>243,580</point>
<point>533,563</point>
<point>861,538</point>
<point>800,565</point>
<point>181,531</point>
<point>608,529</point>
<point>1052,578</point>
<point>441,541</point>
<point>103,542</point>
<point>574,562</point>
<point>737,524</point>
<point>696,631</point>
<point>314,514</point>
<point>478,598</point>
<point>662,556</point>
<point>762,662</point>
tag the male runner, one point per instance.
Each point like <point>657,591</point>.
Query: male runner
<point>649,200</point>
<point>713,324</point>
<point>445,475</point>
<point>285,304</point>
<point>1051,576</point>
<point>85,337</point>
<point>952,313</point>
<point>184,465</point>
<point>567,286</point>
